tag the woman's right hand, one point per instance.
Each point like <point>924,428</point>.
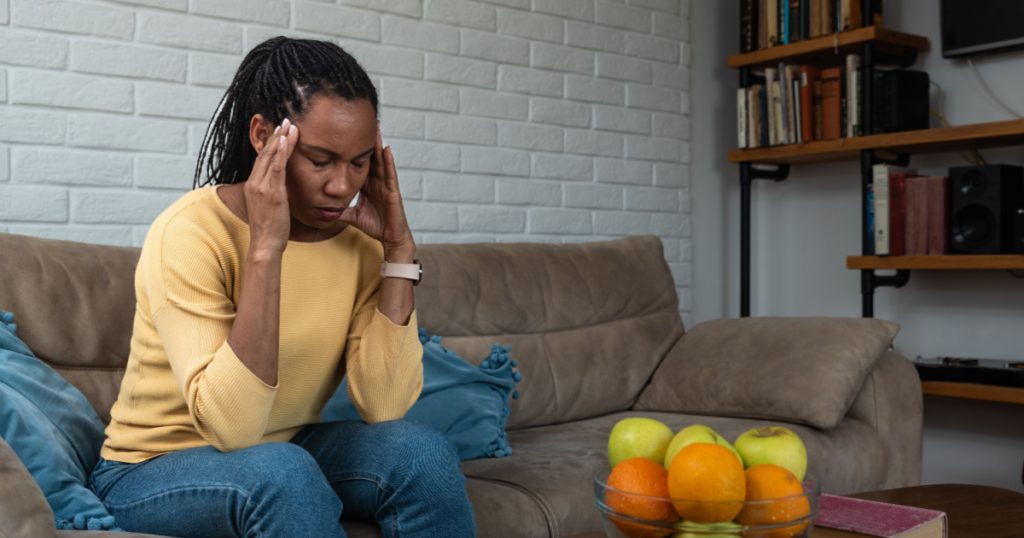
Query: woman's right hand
<point>266,198</point>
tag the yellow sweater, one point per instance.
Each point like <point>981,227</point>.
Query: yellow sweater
<point>184,387</point>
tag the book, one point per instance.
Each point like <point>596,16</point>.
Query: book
<point>853,95</point>
<point>869,219</point>
<point>831,105</point>
<point>808,77</point>
<point>742,95</point>
<point>763,113</point>
<point>762,24</point>
<point>916,229</point>
<point>796,21</point>
<point>877,518</point>
<point>898,213</point>
<point>770,120</point>
<point>828,17</point>
<point>771,8</point>
<point>748,25</point>
<point>938,211</point>
<point>881,175</point>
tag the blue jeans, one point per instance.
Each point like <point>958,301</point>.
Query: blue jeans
<point>404,476</point>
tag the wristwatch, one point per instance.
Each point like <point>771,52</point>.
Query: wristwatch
<point>410,271</point>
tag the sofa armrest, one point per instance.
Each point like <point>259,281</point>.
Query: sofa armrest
<point>891,401</point>
<point>23,508</point>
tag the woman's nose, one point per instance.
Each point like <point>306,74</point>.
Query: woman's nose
<point>338,185</point>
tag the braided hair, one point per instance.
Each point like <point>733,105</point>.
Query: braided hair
<point>277,79</point>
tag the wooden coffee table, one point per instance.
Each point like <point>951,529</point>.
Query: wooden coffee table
<point>973,511</point>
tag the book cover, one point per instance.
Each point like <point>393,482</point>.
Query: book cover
<point>917,216</point>
<point>938,211</point>
<point>882,175</point>
<point>808,76</point>
<point>748,25</point>
<point>876,518</point>
<point>830,103</point>
<point>898,213</point>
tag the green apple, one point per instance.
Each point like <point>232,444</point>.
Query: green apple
<point>638,437</point>
<point>695,433</point>
<point>773,444</point>
<point>691,529</point>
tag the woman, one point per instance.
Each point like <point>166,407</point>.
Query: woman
<point>255,294</point>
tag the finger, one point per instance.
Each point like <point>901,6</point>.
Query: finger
<point>275,173</point>
<point>378,157</point>
<point>392,171</point>
<point>262,163</point>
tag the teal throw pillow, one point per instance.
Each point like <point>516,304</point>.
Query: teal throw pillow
<point>467,403</point>
<point>54,431</point>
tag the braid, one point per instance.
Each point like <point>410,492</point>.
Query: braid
<point>277,79</point>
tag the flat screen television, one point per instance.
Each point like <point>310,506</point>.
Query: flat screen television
<point>974,26</point>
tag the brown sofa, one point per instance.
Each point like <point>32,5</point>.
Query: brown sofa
<point>598,337</point>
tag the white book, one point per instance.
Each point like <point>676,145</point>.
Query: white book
<point>792,92</point>
<point>852,95</point>
<point>741,116</point>
<point>770,86</point>
<point>880,190</point>
<point>798,112</point>
<point>778,116</point>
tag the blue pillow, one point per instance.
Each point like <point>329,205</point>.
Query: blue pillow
<point>468,404</point>
<point>54,431</point>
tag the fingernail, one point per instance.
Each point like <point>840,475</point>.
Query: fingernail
<point>283,140</point>
<point>285,123</point>
<point>276,129</point>
<point>291,130</point>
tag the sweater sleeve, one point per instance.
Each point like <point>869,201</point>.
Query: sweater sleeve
<point>228,404</point>
<point>384,364</point>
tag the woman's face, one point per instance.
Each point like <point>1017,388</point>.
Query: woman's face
<point>330,164</point>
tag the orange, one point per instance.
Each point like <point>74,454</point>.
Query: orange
<point>766,482</point>
<point>706,483</point>
<point>646,479</point>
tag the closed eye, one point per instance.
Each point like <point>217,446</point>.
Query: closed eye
<point>319,164</point>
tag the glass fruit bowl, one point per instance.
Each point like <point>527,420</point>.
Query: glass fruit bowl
<point>786,517</point>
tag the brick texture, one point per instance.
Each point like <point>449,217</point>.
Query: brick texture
<point>511,120</point>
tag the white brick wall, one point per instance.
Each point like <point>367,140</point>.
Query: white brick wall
<point>512,120</point>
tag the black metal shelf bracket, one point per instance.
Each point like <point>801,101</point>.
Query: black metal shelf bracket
<point>869,282</point>
<point>778,172</point>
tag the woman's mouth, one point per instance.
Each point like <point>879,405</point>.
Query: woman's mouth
<point>329,213</point>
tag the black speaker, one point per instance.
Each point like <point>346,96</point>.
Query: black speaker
<point>986,209</point>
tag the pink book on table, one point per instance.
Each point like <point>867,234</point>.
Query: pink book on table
<point>878,518</point>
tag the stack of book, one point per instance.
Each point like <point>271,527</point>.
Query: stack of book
<point>795,104</point>
<point>767,23</point>
<point>909,213</point>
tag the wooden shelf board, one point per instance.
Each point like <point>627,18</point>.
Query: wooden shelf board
<point>997,133</point>
<point>974,391</point>
<point>957,261</point>
<point>827,49</point>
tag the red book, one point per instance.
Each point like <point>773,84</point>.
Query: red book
<point>831,103</point>
<point>917,216</point>
<point>878,518</point>
<point>938,197</point>
<point>808,76</point>
<point>897,213</point>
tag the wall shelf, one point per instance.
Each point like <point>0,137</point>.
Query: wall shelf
<point>974,391</point>
<point>960,137</point>
<point>968,262</point>
<point>824,50</point>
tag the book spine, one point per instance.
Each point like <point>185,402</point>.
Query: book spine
<point>797,111</point>
<point>869,201</point>
<point>808,77</point>
<point>763,125</point>
<point>938,199</point>
<point>828,17</point>
<point>818,114</point>
<point>772,24</point>
<point>741,117</point>
<point>795,21</point>
<point>917,216</point>
<point>762,24</point>
<point>844,14</point>
<point>748,25</point>
<point>787,104</point>
<point>770,76</point>
<point>880,180</point>
<point>853,94</point>
<point>897,213</point>
<point>784,28</point>
<point>831,104</point>
<point>778,118</point>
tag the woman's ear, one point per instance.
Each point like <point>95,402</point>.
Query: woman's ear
<point>259,131</point>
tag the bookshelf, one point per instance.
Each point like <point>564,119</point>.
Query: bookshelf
<point>877,46</point>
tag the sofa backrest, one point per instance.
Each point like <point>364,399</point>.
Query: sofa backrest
<point>73,304</point>
<point>588,323</point>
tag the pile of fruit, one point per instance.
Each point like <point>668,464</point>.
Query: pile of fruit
<point>696,479</point>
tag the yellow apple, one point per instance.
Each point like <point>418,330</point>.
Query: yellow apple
<point>638,437</point>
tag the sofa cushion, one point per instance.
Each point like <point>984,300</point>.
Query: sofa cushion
<point>555,464</point>
<point>467,403</point>
<point>803,370</point>
<point>52,429</point>
<point>572,315</point>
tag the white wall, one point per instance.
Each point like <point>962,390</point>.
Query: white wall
<point>806,226</point>
<point>512,120</point>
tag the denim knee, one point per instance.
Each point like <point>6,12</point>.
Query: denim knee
<point>420,445</point>
<point>286,470</point>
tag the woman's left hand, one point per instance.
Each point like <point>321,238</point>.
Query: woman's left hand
<point>380,213</point>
